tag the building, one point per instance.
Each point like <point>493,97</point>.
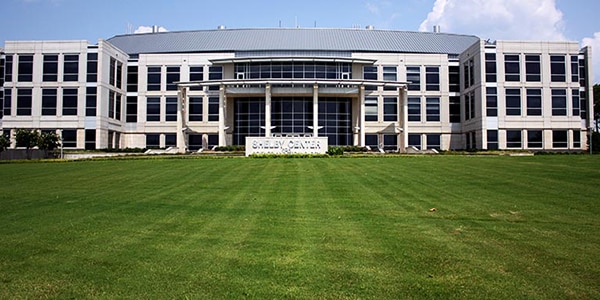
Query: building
<point>389,90</point>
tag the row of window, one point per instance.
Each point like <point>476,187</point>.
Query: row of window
<point>534,102</point>
<point>534,139</point>
<point>532,71</point>
<point>173,75</point>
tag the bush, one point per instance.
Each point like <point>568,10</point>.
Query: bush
<point>230,148</point>
<point>335,151</point>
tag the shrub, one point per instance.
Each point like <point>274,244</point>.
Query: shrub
<point>335,151</point>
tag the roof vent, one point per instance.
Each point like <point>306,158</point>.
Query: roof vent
<point>370,27</point>
<point>436,28</point>
<point>155,29</point>
<point>221,27</point>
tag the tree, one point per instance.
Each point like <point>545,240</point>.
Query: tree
<point>48,141</point>
<point>27,138</point>
<point>4,142</point>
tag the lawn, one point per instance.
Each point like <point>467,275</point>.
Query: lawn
<point>321,228</point>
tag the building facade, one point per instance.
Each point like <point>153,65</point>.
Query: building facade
<point>388,90</point>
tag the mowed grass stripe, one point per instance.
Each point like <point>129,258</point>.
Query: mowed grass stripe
<point>291,228</point>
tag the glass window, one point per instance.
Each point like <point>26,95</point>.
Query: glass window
<point>7,107</point>
<point>432,109</point>
<point>583,105</point>
<point>512,68</point>
<point>153,140</point>
<point>454,79</point>
<point>513,102</point>
<point>152,109</point>
<point>370,72</point>
<point>212,140</point>
<point>90,139</point>
<point>574,69</point>
<point>69,102</point>
<point>216,73</point>
<point>559,139</point>
<point>132,78</point>
<point>195,108</point>
<point>469,73</point>
<point>49,102</point>
<point>111,104</point>
<point>535,139</point>
<point>576,139</point>
<point>454,108</point>
<point>491,102</point>
<point>557,68</point>
<point>249,118</point>
<point>50,72</point>
<point>69,138</point>
<point>25,67</point>
<point>194,142</point>
<point>71,67</point>
<point>575,102</point>
<point>413,76</point>
<point>196,74</point>
<point>390,142</point>
<point>171,109</point>
<point>432,78</point>
<point>559,102</point>
<point>389,74</point>
<point>434,141</point>
<point>119,75</point>
<point>492,139</point>
<point>213,109</point>
<point>131,109</point>
<point>371,141</point>
<point>490,67</point>
<point>172,77</point>
<point>90,101</point>
<point>170,140</point>
<point>371,109</point>
<point>533,68</point>
<point>24,102</point>
<point>335,117</point>
<point>414,109</point>
<point>92,69</point>
<point>513,139</point>
<point>154,78</point>
<point>534,102</point>
<point>112,71</point>
<point>390,109</point>
<point>469,106</point>
<point>414,140</point>
<point>8,68</point>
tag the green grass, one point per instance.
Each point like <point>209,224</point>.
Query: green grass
<point>338,228</point>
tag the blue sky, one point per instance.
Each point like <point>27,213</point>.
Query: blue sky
<point>574,20</point>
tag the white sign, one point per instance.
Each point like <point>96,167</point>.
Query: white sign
<point>286,145</point>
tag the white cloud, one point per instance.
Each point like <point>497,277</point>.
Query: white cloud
<point>595,43</point>
<point>373,8</point>
<point>498,19</point>
<point>148,29</point>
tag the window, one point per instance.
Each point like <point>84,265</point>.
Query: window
<point>131,109</point>
<point>371,140</point>
<point>576,139</point>
<point>153,140</point>
<point>25,70</point>
<point>152,109</point>
<point>390,109</point>
<point>119,75</point>
<point>118,106</point>
<point>154,79</point>
<point>559,102</point>
<point>469,73</point>
<point>69,138</point>
<point>8,68</point>
<point>432,78</point>
<point>172,77</point>
<point>434,141</point>
<point>92,70</point>
<point>511,67</point>
<point>69,102</point>
<point>50,72</point>
<point>371,109</point>
<point>112,71</point>
<point>492,139</point>
<point>114,105</point>
<point>574,69</point>
<point>390,142</point>
<point>559,139</point>
<point>212,140</point>
<point>194,142</point>
<point>132,79</point>
<point>389,74</point>
<point>575,102</point>
<point>490,67</point>
<point>71,68</point>
<point>90,139</point>
<point>583,105</point>
<point>49,102</point>
<point>196,74</point>
<point>171,109</point>
<point>413,76</point>
<point>370,72</point>
<point>532,68</point>
<point>454,108</point>
<point>90,101</point>
<point>414,109</point>
<point>2,61</point>
<point>557,68</point>
<point>432,109</point>
<point>513,102</point>
<point>214,73</point>
<point>469,106</point>
<point>471,140</point>
<point>7,106</point>
<point>23,102</point>
<point>534,139</point>
<point>491,102</point>
<point>170,140</point>
<point>513,139</point>
<point>534,102</point>
<point>581,72</point>
<point>213,109</point>
<point>453,79</point>
<point>195,108</point>
<point>414,140</point>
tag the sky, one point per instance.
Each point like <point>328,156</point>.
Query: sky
<point>572,20</point>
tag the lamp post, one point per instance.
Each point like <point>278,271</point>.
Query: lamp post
<point>61,145</point>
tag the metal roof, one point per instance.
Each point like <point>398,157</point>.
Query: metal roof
<point>293,39</point>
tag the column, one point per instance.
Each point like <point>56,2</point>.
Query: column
<point>403,135</point>
<point>268,110</point>
<point>316,110</point>
<point>361,100</point>
<point>222,137</point>
<point>181,117</point>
